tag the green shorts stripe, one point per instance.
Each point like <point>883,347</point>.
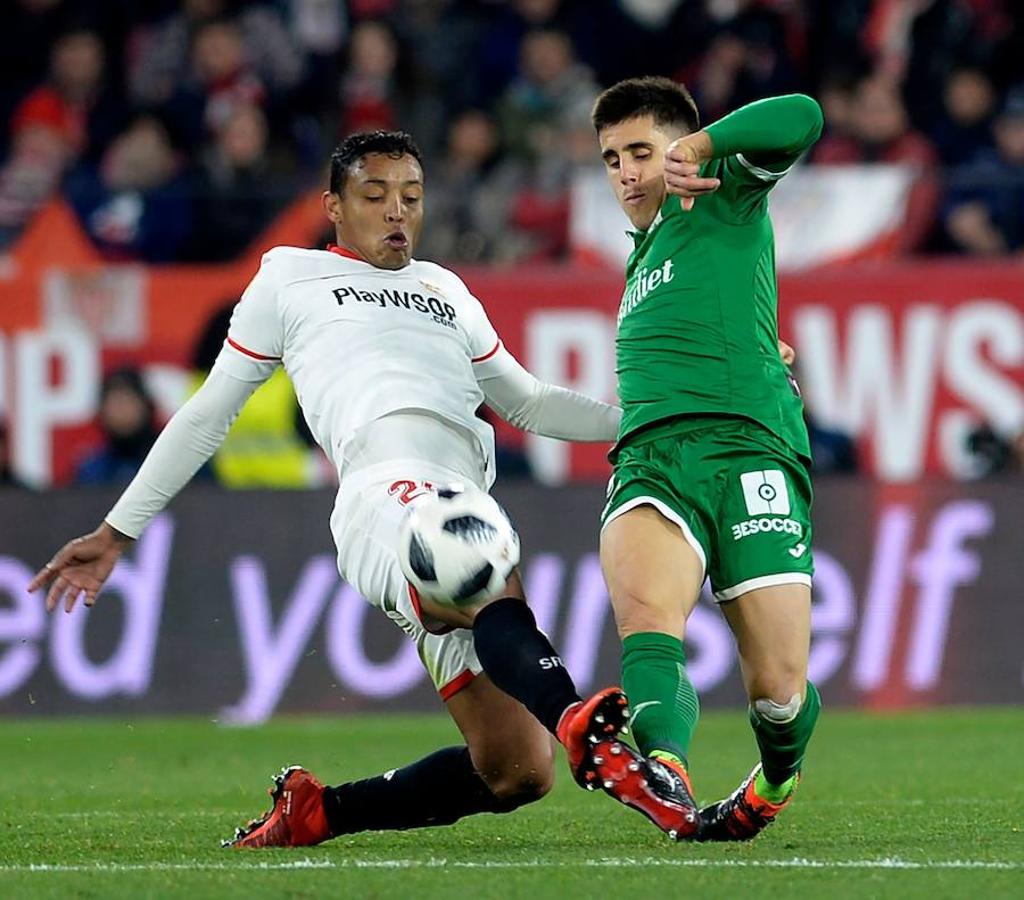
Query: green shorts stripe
<point>752,584</point>
<point>669,513</point>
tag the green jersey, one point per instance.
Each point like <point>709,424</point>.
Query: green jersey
<point>697,326</point>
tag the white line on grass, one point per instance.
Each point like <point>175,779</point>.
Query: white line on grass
<point>434,863</point>
<point>133,815</point>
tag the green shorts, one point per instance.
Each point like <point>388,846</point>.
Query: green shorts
<point>740,494</point>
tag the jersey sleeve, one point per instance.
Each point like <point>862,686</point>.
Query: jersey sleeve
<point>255,342</point>
<point>757,145</point>
<point>745,187</point>
<point>484,343</point>
<point>546,409</point>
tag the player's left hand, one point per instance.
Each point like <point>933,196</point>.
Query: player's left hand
<point>787,353</point>
<point>683,160</point>
<point>80,567</point>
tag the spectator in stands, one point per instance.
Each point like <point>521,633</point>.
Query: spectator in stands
<point>379,88</point>
<point>940,34</point>
<point>499,60</point>
<point>221,79</point>
<point>993,453</point>
<point>136,205</point>
<point>243,183</point>
<point>370,82</point>
<point>269,445</point>
<point>836,96</point>
<point>160,58</point>
<point>746,60</point>
<point>881,133</point>
<point>471,194</point>
<point>552,94</point>
<point>7,476</point>
<point>74,101</point>
<point>833,451</point>
<point>439,44</point>
<point>984,213</point>
<point>717,74</point>
<point>127,419</point>
<point>418,63</point>
<point>551,91</point>
<point>320,29</point>
<point>39,155</point>
<point>26,41</point>
<point>319,26</point>
<point>965,126</point>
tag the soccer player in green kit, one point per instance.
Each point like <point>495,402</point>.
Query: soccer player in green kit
<point>711,465</point>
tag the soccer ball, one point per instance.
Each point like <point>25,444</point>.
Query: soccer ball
<point>457,546</point>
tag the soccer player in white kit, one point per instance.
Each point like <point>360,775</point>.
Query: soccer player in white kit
<point>390,358</point>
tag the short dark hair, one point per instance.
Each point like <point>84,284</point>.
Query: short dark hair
<point>665,100</point>
<point>395,144</point>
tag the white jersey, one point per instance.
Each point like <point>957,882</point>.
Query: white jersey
<point>389,367</point>
<point>360,343</point>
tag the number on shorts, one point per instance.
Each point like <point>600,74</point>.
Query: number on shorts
<point>406,491</point>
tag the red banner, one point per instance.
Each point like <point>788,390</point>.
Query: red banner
<point>907,357</point>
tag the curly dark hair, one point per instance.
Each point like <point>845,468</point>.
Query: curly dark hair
<point>665,100</point>
<point>395,144</point>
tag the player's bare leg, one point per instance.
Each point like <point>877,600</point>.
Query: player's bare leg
<point>510,750</point>
<point>654,577</point>
<point>772,626</point>
<point>519,658</point>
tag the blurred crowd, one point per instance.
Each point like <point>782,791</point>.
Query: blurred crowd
<point>178,129</point>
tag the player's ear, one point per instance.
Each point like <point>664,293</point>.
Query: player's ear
<point>332,206</point>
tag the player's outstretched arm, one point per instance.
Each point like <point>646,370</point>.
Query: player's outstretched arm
<point>546,409</point>
<point>772,132</point>
<point>82,566</point>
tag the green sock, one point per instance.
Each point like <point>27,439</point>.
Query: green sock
<point>773,793</point>
<point>783,744</point>
<point>663,702</point>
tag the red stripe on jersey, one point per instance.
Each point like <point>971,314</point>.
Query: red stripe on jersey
<point>252,353</point>
<point>433,627</point>
<point>460,681</point>
<point>344,251</point>
<point>486,356</point>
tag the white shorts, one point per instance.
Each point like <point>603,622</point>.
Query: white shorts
<point>365,522</point>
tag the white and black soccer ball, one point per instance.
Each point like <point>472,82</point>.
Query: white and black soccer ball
<point>457,545</point>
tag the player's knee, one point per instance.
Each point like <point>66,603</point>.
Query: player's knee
<point>519,785</point>
<point>778,684</point>
<point>519,788</point>
<point>517,782</point>
<point>777,712</point>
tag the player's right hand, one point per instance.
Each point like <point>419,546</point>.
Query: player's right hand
<point>80,567</point>
<point>683,160</point>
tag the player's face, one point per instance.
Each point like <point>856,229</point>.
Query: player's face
<point>634,160</point>
<point>379,214</point>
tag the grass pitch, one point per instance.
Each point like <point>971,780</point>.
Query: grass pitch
<point>909,805</point>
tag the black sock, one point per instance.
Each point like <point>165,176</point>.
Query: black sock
<point>437,790</point>
<point>520,660</point>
